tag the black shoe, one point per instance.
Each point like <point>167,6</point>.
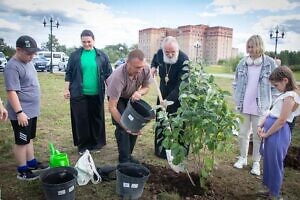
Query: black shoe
<point>95,150</point>
<point>39,167</point>
<point>27,175</point>
<point>82,150</point>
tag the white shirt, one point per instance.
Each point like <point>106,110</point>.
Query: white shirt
<point>277,106</point>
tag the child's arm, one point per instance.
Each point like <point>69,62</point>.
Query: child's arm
<point>286,110</point>
<point>261,122</point>
<point>262,119</point>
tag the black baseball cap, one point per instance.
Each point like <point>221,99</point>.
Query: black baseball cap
<point>27,43</point>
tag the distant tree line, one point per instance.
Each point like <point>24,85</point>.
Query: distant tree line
<point>114,52</point>
<point>6,49</point>
<point>289,58</point>
<point>231,62</point>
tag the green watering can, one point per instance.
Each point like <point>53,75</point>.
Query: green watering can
<point>58,159</point>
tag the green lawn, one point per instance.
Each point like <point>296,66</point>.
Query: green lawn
<point>219,69</point>
<point>297,76</point>
<point>54,126</point>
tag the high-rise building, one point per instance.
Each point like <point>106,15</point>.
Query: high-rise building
<point>197,41</point>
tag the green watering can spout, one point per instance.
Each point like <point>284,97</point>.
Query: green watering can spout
<point>53,151</point>
<point>58,159</point>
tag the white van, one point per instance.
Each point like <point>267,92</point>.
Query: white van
<point>62,65</point>
<point>3,61</point>
<point>56,56</point>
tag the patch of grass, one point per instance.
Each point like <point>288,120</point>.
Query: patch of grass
<point>297,75</point>
<point>217,69</point>
<point>220,69</point>
<point>168,196</point>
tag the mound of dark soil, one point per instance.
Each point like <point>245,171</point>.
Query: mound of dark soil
<point>292,159</point>
<point>164,179</point>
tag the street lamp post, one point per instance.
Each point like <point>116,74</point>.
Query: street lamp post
<point>197,46</point>
<point>51,26</point>
<point>121,51</point>
<point>1,43</point>
<point>278,34</point>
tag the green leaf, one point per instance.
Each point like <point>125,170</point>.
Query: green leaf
<point>204,174</point>
<point>208,163</point>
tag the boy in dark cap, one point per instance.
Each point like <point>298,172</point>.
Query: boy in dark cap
<point>23,106</point>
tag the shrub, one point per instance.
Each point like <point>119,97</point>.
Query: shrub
<point>294,68</point>
<point>204,118</point>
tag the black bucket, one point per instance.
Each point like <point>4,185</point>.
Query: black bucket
<point>59,183</point>
<point>136,115</point>
<point>131,179</point>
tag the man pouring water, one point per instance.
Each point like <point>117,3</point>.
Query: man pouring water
<point>129,81</point>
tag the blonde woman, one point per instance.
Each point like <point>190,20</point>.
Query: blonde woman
<point>253,95</point>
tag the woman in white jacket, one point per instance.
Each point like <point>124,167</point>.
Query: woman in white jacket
<point>253,96</point>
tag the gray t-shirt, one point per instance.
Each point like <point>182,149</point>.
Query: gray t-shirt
<point>22,78</point>
<point>120,85</point>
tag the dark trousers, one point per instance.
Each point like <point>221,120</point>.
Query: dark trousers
<point>125,141</point>
<point>88,123</point>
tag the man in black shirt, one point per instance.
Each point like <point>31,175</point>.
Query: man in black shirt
<point>169,61</point>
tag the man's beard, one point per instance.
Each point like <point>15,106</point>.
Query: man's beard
<point>172,60</point>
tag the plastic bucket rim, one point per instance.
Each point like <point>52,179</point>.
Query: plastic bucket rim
<point>140,121</point>
<point>134,166</point>
<point>44,175</point>
<point>129,192</point>
<point>146,106</point>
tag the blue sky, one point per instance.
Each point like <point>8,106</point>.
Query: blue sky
<point>118,21</point>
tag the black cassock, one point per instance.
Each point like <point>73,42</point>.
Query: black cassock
<point>170,79</point>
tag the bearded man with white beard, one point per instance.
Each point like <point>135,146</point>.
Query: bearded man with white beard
<point>169,62</point>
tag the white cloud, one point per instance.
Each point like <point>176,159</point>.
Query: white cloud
<point>4,24</point>
<point>291,40</point>
<point>76,16</point>
<point>230,7</point>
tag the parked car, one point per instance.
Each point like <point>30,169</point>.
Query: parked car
<point>40,63</point>
<point>119,62</point>
<point>56,56</point>
<point>3,61</point>
<point>62,65</point>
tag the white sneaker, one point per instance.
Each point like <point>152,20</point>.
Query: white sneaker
<point>240,163</point>
<point>255,169</point>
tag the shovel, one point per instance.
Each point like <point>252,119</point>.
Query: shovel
<point>161,100</point>
<point>181,166</point>
<point>58,159</point>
